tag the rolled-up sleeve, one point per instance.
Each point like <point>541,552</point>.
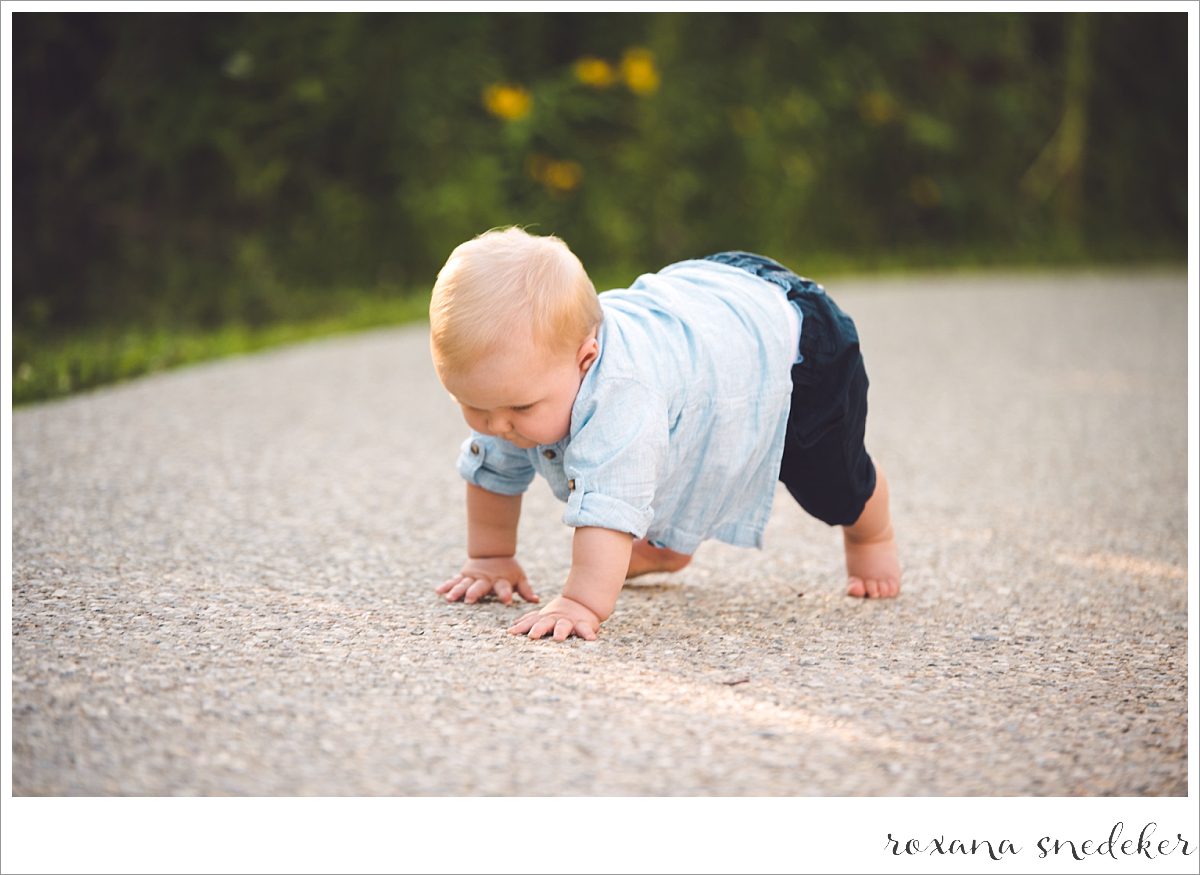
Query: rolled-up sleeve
<point>494,464</point>
<point>615,458</point>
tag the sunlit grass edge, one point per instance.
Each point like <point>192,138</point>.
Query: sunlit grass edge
<point>62,365</point>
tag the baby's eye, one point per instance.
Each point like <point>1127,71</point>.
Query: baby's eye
<point>521,408</point>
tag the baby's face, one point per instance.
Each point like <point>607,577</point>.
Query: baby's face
<point>523,394</point>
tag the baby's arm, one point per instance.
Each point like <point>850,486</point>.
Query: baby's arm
<point>599,561</point>
<point>491,547</point>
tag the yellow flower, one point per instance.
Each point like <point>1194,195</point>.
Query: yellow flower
<point>639,72</point>
<point>562,175</point>
<point>556,175</point>
<point>509,102</point>
<point>595,72</point>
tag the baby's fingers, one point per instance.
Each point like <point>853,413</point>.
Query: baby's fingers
<point>477,590</point>
<point>459,587</point>
<point>586,632</point>
<point>448,585</point>
<point>525,591</point>
<point>524,624</point>
<point>564,627</point>
<point>545,625</point>
<point>503,590</point>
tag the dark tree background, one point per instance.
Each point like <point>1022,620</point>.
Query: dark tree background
<point>206,168</point>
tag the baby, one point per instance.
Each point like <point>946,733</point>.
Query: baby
<point>662,414</point>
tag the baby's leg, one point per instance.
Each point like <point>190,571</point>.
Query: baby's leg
<point>647,559</point>
<point>872,565</point>
<point>827,470</point>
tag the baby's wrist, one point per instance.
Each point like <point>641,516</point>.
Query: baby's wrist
<point>589,600</point>
<point>599,560</point>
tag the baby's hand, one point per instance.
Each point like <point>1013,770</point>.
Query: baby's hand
<point>562,617</point>
<point>478,577</point>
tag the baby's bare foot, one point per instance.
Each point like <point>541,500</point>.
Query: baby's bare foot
<point>647,559</point>
<point>872,567</point>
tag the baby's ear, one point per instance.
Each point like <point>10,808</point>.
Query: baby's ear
<point>589,350</point>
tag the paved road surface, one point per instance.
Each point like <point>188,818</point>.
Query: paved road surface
<point>223,582</point>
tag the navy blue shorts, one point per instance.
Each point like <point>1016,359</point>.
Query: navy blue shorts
<point>825,463</point>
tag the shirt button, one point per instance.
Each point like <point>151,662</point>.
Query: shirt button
<point>549,454</point>
<point>474,449</point>
<point>571,485</point>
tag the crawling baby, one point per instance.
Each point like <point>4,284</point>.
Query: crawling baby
<point>662,414</point>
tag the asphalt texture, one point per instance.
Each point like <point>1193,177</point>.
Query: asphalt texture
<point>223,582</point>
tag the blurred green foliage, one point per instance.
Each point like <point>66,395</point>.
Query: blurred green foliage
<point>193,171</point>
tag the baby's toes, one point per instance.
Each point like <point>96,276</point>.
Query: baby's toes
<point>856,588</point>
<point>883,588</point>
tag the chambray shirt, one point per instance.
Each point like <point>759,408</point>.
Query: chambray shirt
<point>677,430</point>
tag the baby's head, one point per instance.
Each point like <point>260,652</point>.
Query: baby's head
<point>513,324</point>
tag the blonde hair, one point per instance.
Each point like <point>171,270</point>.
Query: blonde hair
<point>505,278</point>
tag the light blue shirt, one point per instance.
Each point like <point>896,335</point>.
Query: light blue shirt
<point>678,427</point>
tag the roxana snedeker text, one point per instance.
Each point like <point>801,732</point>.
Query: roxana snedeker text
<point>1147,843</point>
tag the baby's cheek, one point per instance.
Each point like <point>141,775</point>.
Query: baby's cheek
<point>554,430</point>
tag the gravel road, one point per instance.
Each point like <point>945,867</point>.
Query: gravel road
<point>223,575</point>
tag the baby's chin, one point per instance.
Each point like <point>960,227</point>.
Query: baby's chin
<point>525,443</point>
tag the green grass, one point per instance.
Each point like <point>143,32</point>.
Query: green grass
<point>51,367</point>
